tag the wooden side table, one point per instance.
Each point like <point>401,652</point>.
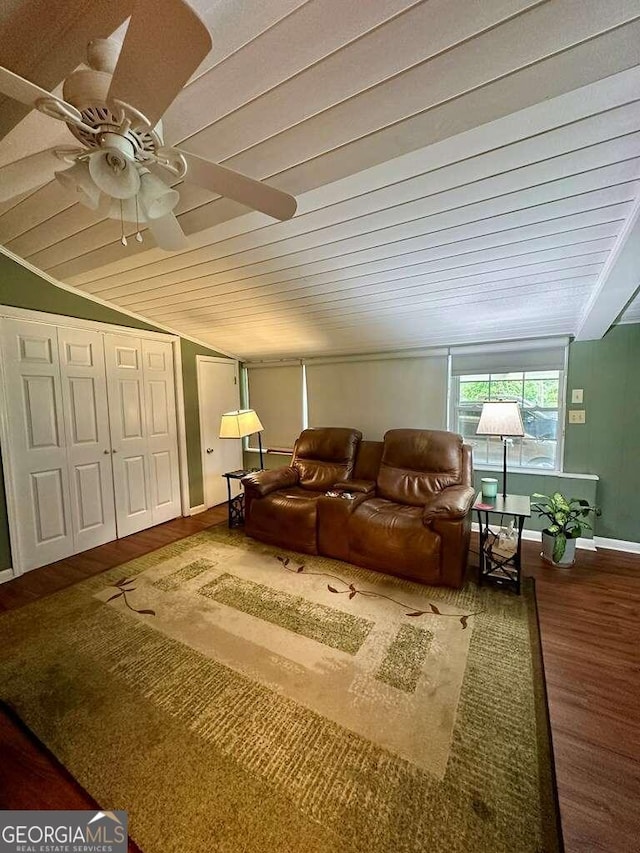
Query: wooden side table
<point>236,504</point>
<point>497,569</point>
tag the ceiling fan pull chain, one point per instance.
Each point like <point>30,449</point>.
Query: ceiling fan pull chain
<point>138,234</point>
<point>123,239</point>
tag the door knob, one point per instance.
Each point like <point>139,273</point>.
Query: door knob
<point>106,452</point>
<point>209,449</point>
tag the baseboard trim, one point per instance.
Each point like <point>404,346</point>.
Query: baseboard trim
<point>6,575</point>
<point>536,536</point>
<point>618,545</point>
<point>196,509</point>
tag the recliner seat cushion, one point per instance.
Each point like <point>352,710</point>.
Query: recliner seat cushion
<point>391,537</point>
<point>417,464</point>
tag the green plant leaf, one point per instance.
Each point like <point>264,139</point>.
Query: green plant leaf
<point>559,547</point>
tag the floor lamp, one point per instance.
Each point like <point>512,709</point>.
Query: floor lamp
<point>241,423</point>
<point>503,419</point>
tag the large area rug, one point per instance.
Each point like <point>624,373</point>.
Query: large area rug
<point>233,697</point>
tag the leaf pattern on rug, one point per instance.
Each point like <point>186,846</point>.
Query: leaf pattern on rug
<point>121,586</point>
<point>352,591</point>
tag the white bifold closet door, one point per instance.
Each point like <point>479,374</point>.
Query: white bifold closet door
<point>92,437</point>
<point>143,431</point>
<point>37,442</point>
<point>84,396</point>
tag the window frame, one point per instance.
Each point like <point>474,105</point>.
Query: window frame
<point>454,394</point>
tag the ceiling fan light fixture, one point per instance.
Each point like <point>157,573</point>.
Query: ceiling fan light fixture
<point>155,197</point>
<point>114,173</point>
<point>77,179</point>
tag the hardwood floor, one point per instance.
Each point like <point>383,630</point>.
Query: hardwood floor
<point>31,777</point>
<point>590,626</point>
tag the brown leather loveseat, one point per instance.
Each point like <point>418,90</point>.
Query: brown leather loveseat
<point>409,513</point>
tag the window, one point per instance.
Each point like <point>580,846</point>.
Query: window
<point>276,393</point>
<point>539,393</point>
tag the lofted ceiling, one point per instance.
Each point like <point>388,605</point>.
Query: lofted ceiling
<point>465,171</point>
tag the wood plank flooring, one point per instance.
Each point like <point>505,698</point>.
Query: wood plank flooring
<point>590,627</point>
<point>31,777</point>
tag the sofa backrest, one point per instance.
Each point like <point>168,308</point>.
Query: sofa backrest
<point>325,455</point>
<point>418,463</point>
<point>368,460</point>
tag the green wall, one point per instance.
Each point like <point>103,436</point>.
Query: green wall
<point>546,484</point>
<point>607,444</point>
<point>21,288</point>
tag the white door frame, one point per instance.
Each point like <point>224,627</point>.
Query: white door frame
<point>200,360</point>
<point>9,312</point>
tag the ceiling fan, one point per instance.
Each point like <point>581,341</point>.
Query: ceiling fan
<point>114,109</point>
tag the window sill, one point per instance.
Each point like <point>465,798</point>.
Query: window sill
<point>544,472</point>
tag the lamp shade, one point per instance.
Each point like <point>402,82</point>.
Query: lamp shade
<point>114,173</point>
<point>500,418</point>
<point>155,197</point>
<point>240,423</point>
<point>78,180</point>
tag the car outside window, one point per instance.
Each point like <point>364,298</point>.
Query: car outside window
<point>539,395</point>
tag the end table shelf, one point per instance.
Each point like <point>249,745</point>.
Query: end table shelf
<point>500,569</point>
<point>236,504</point>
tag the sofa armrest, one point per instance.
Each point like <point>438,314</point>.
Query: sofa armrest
<point>451,503</point>
<point>263,482</point>
<point>356,486</point>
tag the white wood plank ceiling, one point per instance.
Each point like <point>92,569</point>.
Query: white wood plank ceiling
<point>464,171</point>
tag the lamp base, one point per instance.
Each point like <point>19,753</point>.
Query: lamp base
<point>260,446</point>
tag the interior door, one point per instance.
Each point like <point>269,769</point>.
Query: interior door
<point>162,432</point>
<point>218,392</point>
<point>37,443</point>
<point>129,447</point>
<point>84,395</point>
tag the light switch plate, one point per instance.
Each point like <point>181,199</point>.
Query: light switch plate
<point>576,416</point>
<point>577,395</point>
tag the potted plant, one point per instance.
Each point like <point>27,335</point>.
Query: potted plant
<point>567,519</point>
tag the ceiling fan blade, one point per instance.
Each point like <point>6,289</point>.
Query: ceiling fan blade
<point>233,185</point>
<point>28,93</point>
<point>30,172</point>
<point>163,46</point>
<point>167,233</point>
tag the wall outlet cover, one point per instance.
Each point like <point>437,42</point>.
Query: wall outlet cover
<point>576,416</point>
<point>577,395</point>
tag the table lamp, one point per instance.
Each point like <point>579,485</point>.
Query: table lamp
<point>503,419</point>
<point>240,423</point>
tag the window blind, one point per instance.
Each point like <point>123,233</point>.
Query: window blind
<point>376,395</point>
<point>509,358</point>
<point>275,393</point>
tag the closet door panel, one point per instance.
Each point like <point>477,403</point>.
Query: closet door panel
<point>37,443</point>
<point>127,416</point>
<point>160,403</point>
<point>84,392</point>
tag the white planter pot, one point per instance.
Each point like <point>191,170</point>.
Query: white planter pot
<point>569,556</point>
